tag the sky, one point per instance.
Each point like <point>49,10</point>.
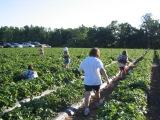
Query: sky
<point>74,13</point>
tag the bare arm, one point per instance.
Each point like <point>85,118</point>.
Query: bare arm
<point>103,72</point>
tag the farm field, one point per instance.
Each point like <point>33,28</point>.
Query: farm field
<point>129,99</point>
<point>66,83</point>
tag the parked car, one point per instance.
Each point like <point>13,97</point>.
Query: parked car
<point>17,45</point>
<point>46,46</point>
<point>28,45</point>
<point>37,44</point>
<point>8,45</point>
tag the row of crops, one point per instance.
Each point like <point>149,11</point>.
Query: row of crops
<point>67,83</point>
<point>129,99</point>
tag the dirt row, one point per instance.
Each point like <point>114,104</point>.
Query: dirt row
<point>154,92</point>
<point>105,95</point>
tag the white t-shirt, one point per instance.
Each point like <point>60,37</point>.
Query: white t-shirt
<point>91,67</point>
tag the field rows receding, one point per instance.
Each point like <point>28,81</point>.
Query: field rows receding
<point>51,74</point>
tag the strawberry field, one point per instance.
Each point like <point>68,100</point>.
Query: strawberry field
<point>128,100</point>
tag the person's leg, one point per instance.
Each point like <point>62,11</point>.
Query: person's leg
<point>119,72</point>
<point>97,95</point>
<point>67,66</point>
<point>122,72</point>
<point>99,101</point>
<point>97,92</point>
<point>68,62</point>
<point>87,102</point>
<point>126,69</point>
<point>87,97</point>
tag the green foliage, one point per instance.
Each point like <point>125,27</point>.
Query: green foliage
<point>52,75</point>
<point>129,100</point>
<point>117,35</point>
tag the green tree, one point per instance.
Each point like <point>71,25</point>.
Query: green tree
<point>151,29</point>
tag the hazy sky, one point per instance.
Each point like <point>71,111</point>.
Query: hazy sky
<point>73,13</point>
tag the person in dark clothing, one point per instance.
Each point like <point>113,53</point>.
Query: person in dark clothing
<point>122,62</point>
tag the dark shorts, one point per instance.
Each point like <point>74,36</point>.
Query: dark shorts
<point>67,61</point>
<point>92,87</point>
<point>121,68</point>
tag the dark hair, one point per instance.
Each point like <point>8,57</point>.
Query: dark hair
<point>30,67</point>
<point>124,52</point>
<point>94,52</point>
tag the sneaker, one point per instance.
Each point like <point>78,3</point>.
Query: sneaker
<point>86,111</point>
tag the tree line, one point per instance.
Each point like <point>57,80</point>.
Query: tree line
<point>115,35</point>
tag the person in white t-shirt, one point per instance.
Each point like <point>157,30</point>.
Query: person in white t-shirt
<point>92,67</point>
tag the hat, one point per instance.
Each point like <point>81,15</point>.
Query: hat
<point>65,49</point>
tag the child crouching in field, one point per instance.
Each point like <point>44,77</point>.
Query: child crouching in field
<point>29,74</point>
